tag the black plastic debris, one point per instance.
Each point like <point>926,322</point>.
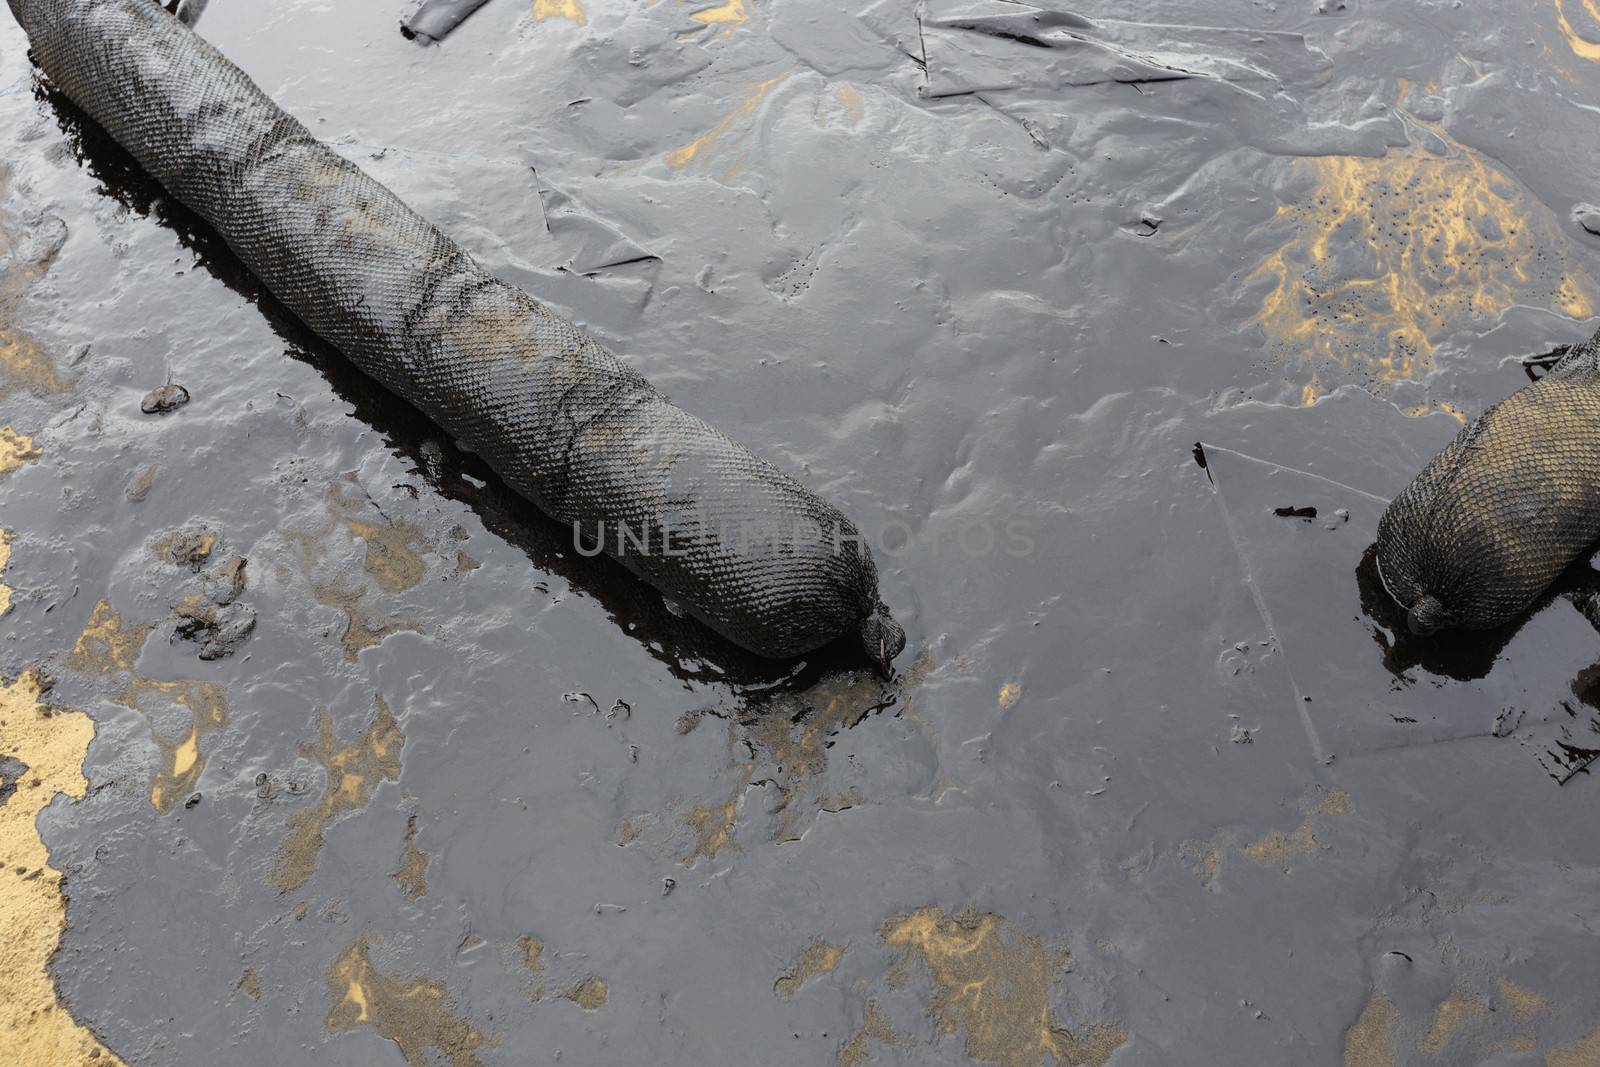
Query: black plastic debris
<point>435,19</point>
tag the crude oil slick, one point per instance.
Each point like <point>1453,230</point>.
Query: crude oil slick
<point>1169,786</point>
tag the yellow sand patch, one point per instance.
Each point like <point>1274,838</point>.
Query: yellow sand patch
<point>1581,46</point>
<point>51,744</point>
<point>725,17</point>
<point>572,10</point>
<point>5,558</point>
<point>16,450</point>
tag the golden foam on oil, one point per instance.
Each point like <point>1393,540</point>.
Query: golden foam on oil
<point>1205,859</point>
<point>725,17</point>
<point>390,557</point>
<point>849,98</point>
<point>1386,256</point>
<point>364,627</point>
<point>353,773</point>
<point>572,10</point>
<point>1370,1040</point>
<point>874,1027</point>
<point>50,744</point>
<point>587,990</point>
<point>631,826</point>
<point>713,824</point>
<point>794,735</point>
<point>109,645</point>
<point>1525,1003</point>
<point>1454,1012</point>
<point>391,547</point>
<point>1581,46</point>
<point>415,1012</point>
<point>993,983</point>
<point>413,872</point>
<point>1279,849</point>
<point>533,960</point>
<point>843,97</point>
<point>1585,1052</point>
<point>16,450</point>
<point>249,983</point>
<point>589,994</point>
<point>1513,1044</point>
<point>703,147</point>
<point>818,958</point>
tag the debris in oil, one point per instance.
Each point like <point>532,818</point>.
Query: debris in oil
<point>213,618</point>
<point>164,399</point>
